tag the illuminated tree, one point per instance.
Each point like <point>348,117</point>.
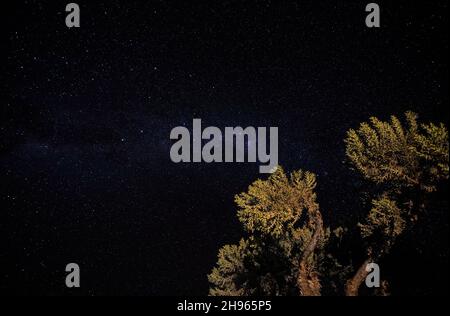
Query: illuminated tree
<point>286,236</point>
<point>287,250</point>
<point>406,163</point>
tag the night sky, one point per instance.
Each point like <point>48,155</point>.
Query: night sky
<point>85,170</point>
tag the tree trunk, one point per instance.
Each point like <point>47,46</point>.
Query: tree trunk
<point>308,279</point>
<point>353,284</point>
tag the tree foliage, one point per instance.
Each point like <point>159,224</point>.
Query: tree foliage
<point>384,223</point>
<point>388,152</point>
<point>407,159</point>
<point>284,223</point>
<point>228,276</point>
<point>408,163</point>
<point>274,206</point>
<point>287,251</point>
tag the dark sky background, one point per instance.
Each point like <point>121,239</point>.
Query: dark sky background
<point>85,171</point>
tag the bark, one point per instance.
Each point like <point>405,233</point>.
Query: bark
<point>353,284</point>
<point>308,279</point>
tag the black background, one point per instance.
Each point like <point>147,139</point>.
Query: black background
<point>85,170</point>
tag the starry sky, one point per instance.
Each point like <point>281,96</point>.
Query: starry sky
<point>85,170</point>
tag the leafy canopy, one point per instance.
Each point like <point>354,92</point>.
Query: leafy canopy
<point>388,152</point>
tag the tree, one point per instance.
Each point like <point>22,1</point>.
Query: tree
<point>287,250</point>
<point>286,237</point>
<point>406,164</point>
